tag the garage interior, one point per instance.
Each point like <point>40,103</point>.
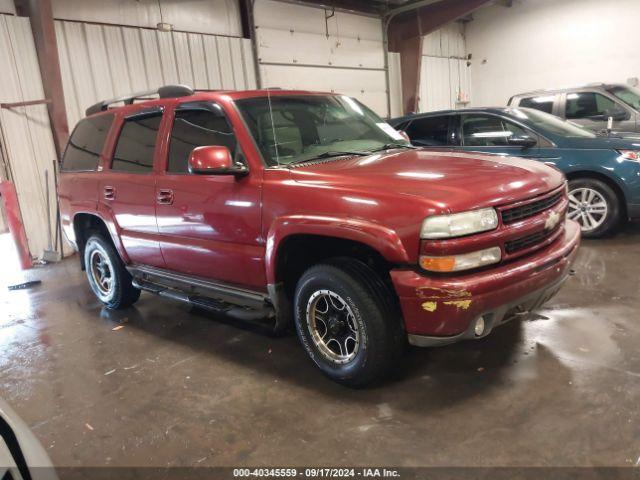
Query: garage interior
<point>162,384</point>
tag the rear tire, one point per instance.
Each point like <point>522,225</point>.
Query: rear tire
<point>347,322</point>
<point>595,206</point>
<point>108,278</point>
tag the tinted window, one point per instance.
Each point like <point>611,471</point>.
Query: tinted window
<point>430,131</point>
<point>488,131</point>
<point>86,143</point>
<point>400,126</point>
<point>544,103</point>
<point>588,104</point>
<point>197,128</point>
<point>136,145</point>
<point>548,123</point>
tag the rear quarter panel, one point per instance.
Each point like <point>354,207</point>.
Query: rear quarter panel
<point>77,193</point>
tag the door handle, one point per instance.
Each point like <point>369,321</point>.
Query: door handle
<point>165,197</point>
<point>109,193</point>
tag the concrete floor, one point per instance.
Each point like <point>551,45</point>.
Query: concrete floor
<point>175,388</point>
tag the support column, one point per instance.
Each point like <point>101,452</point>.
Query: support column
<point>405,31</point>
<point>410,66</point>
<point>40,13</point>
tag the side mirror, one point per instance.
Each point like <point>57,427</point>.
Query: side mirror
<point>214,160</point>
<point>618,115</point>
<point>524,141</point>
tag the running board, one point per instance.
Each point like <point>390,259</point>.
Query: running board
<point>199,287</point>
<point>263,315</point>
<point>247,305</point>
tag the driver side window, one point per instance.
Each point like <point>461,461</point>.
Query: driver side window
<point>488,131</point>
<point>588,104</point>
<point>198,127</point>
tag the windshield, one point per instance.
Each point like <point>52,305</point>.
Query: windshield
<point>295,128</point>
<point>548,123</point>
<point>628,95</point>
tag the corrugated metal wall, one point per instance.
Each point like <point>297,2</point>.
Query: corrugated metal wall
<point>217,17</point>
<point>3,222</point>
<point>100,62</point>
<point>299,48</point>
<point>444,77</point>
<point>25,131</point>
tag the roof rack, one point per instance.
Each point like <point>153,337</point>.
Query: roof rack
<point>167,91</point>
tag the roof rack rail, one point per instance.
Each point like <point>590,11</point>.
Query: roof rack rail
<point>166,91</point>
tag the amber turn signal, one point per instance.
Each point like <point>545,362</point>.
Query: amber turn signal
<point>465,261</point>
<point>438,264</point>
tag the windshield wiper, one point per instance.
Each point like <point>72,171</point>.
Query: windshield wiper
<point>389,146</point>
<point>331,155</point>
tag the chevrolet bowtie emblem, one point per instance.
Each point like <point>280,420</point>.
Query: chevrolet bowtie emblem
<point>552,220</point>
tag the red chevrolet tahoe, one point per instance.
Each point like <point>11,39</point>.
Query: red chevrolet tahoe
<point>307,209</point>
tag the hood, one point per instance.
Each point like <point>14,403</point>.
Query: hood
<point>452,181</point>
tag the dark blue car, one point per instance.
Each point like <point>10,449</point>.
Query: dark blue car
<point>603,171</point>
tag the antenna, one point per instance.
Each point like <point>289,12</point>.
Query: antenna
<point>273,127</point>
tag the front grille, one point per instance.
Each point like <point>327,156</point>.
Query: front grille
<point>530,240</point>
<point>530,209</point>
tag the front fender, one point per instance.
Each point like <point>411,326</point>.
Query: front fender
<point>382,239</point>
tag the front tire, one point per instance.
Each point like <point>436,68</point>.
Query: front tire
<point>595,206</point>
<point>108,278</point>
<point>346,321</point>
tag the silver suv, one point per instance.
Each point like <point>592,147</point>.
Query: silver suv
<point>589,105</point>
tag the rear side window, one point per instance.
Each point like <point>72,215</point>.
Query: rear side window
<point>137,144</point>
<point>86,143</point>
<point>544,103</point>
<point>488,131</point>
<point>430,131</point>
<point>197,128</point>
<point>588,104</point>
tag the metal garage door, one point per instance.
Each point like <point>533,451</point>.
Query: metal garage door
<point>444,75</point>
<point>310,48</point>
<point>25,133</point>
<point>138,59</point>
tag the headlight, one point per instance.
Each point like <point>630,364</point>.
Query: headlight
<point>459,224</point>
<point>630,155</point>
<point>466,261</point>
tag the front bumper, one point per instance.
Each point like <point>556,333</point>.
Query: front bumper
<point>633,211</point>
<point>439,310</point>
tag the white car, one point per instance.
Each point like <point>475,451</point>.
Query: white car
<point>21,455</point>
